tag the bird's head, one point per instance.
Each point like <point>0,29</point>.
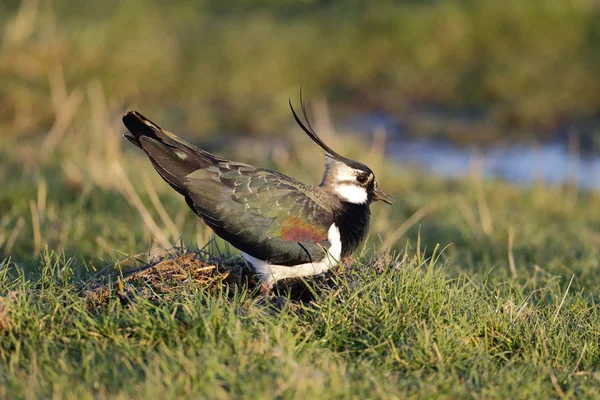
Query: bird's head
<point>353,182</point>
<point>349,180</point>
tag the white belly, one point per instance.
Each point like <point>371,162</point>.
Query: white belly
<point>271,273</point>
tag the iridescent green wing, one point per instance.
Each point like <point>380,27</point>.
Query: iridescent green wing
<point>265,214</point>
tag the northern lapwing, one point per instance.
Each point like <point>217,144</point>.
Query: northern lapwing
<point>284,228</point>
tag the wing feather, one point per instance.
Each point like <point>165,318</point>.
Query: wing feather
<point>266,215</point>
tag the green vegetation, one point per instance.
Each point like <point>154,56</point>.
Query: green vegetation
<point>209,66</point>
<point>386,330</point>
<point>489,291</point>
<point>495,314</point>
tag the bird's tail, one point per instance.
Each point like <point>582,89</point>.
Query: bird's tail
<point>171,156</point>
<point>140,126</point>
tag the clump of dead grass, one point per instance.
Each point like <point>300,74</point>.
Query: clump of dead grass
<point>165,274</point>
<point>6,321</point>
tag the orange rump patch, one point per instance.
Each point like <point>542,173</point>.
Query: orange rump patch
<point>298,230</point>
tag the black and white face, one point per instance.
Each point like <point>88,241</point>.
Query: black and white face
<point>352,185</point>
<point>356,186</point>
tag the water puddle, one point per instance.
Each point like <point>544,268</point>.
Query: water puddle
<point>551,162</point>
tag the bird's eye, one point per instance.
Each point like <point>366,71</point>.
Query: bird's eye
<point>362,178</point>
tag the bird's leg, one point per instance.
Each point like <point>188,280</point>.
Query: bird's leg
<point>266,289</point>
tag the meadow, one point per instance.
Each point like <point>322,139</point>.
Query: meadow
<point>466,288</point>
<point>519,69</point>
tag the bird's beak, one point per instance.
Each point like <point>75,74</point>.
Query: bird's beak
<point>379,194</point>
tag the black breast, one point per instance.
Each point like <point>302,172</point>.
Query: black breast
<point>353,222</point>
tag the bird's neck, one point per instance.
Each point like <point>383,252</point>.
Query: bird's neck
<point>352,221</point>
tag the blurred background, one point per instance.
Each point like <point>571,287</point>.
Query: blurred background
<point>481,117</point>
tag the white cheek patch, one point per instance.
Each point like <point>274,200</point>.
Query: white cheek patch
<point>351,193</point>
<point>344,173</point>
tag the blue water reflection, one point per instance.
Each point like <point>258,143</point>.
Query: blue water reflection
<point>550,162</point>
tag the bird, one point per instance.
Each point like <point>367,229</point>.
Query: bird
<point>283,228</point>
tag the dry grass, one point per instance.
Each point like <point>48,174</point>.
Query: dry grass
<point>6,321</point>
<point>162,275</point>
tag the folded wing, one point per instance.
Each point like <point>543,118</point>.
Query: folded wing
<point>262,213</point>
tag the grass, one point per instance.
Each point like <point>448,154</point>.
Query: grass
<point>396,327</point>
<point>466,288</point>
<point>486,317</point>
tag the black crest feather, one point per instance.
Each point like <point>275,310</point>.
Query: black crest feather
<point>308,129</point>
